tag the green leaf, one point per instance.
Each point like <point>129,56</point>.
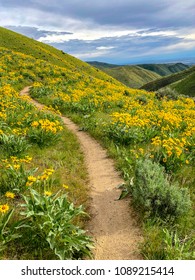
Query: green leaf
<point>6,219</point>
<point>123,194</point>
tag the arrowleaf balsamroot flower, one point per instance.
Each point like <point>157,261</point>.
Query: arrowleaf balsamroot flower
<point>47,193</point>
<point>32,179</point>
<point>4,208</point>
<point>10,195</point>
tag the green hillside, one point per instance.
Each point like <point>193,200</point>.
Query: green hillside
<point>165,69</point>
<point>183,82</point>
<point>23,44</point>
<point>131,76</point>
<point>41,163</point>
<point>136,76</point>
<point>186,86</point>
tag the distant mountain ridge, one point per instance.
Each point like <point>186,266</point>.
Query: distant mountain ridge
<point>137,75</point>
<point>99,64</point>
<point>130,75</point>
<point>165,69</point>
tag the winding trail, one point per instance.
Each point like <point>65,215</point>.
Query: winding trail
<point>113,224</point>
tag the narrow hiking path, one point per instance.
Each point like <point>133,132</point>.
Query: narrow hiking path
<point>112,224</point>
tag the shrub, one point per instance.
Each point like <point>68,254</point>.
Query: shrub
<point>37,92</point>
<point>13,177</point>
<point>13,144</point>
<point>168,93</point>
<point>142,99</point>
<point>44,132</point>
<point>122,134</point>
<point>127,93</point>
<point>155,194</point>
<point>50,219</point>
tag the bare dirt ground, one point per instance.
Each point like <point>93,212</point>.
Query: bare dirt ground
<point>112,225</point>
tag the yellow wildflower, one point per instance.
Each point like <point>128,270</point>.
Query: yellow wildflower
<point>32,178</point>
<point>47,193</point>
<point>9,195</point>
<point>4,208</point>
<point>28,184</point>
<point>43,177</point>
<point>34,124</point>
<point>49,171</point>
<point>16,166</point>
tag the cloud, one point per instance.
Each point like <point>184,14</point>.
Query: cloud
<point>104,48</point>
<point>93,35</point>
<point>123,13</point>
<point>86,35</point>
<point>34,32</point>
<point>108,30</point>
<point>129,46</point>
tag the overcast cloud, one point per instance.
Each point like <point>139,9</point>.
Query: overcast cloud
<point>125,31</point>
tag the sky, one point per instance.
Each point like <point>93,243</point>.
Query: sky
<point>112,31</point>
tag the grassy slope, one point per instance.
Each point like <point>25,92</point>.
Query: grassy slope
<point>103,90</point>
<point>23,44</point>
<point>131,76</point>
<point>65,155</point>
<point>182,78</point>
<point>137,76</point>
<point>186,85</point>
<point>165,69</point>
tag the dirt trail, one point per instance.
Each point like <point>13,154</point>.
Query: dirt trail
<point>112,224</point>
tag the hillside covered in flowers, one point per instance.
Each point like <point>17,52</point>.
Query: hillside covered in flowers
<point>151,138</point>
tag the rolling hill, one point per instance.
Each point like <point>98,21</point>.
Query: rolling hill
<point>135,76</point>
<point>186,86</point>
<point>131,76</point>
<point>165,69</point>
<point>183,82</point>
